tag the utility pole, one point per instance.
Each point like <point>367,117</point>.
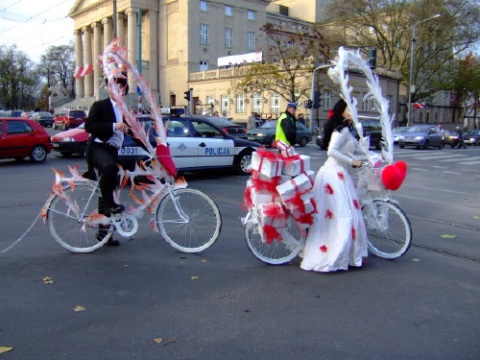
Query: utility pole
<point>114,17</point>
<point>312,93</point>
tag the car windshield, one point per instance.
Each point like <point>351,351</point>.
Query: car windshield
<point>472,133</point>
<point>418,128</point>
<point>269,125</point>
<point>399,130</point>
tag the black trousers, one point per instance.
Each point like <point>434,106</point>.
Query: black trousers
<point>104,158</point>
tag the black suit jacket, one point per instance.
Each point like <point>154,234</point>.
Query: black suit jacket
<point>100,119</point>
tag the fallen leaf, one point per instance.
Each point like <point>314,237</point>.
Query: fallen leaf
<point>204,260</point>
<point>47,280</point>
<point>4,349</point>
<point>477,217</point>
<point>79,308</point>
<point>195,278</point>
<point>448,236</point>
<point>415,259</point>
<point>157,340</point>
<point>170,341</point>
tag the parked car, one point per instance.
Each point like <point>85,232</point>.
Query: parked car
<point>228,126</point>
<point>472,137</point>
<point>68,119</point>
<point>15,113</point>
<point>20,138</point>
<point>370,126</point>
<point>398,132</point>
<point>265,134</point>
<point>422,136</point>
<point>44,118</point>
<point>449,138</point>
<point>195,144</point>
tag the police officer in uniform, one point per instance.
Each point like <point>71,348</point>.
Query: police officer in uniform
<point>286,130</point>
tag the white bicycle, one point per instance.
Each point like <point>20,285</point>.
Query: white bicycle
<point>388,227</point>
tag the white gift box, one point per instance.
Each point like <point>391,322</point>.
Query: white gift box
<point>294,167</point>
<point>272,214</point>
<point>311,175</point>
<point>307,201</point>
<point>285,149</point>
<point>298,185</point>
<point>270,167</point>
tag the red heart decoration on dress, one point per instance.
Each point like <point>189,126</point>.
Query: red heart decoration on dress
<point>164,156</point>
<point>394,174</point>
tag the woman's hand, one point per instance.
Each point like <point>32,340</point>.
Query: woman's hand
<point>357,163</point>
<point>121,126</point>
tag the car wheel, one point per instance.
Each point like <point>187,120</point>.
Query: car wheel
<point>243,161</point>
<point>426,145</point>
<point>440,145</point>
<point>38,154</point>
<point>303,142</point>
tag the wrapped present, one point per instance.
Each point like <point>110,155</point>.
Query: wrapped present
<point>265,183</point>
<point>254,197</point>
<point>311,175</point>
<point>272,214</point>
<point>293,188</point>
<point>285,149</point>
<point>266,163</point>
<point>304,206</point>
<point>296,165</point>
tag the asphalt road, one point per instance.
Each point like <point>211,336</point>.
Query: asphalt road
<point>225,304</point>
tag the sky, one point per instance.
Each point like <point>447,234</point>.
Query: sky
<point>34,25</point>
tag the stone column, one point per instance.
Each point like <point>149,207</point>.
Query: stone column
<point>87,59</point>
<point>132,43</point>
<point>107,31</point>
<point>154,50</point>
<point>97,51</point>
<point>79,90</point>
<point>121,28</point>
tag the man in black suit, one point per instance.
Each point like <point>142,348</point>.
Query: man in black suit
<point>106,128</point>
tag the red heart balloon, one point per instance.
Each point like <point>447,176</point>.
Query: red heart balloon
<point>394,174</point>
<point>163,154</point>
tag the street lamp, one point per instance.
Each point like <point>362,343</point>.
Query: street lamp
<point>410,85</point>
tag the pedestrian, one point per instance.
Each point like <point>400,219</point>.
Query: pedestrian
<point>337,238</point>
<point>301,118</point>
<point>252,121</point>
<point>106,128</point>
<point>286,130</point>
<point>461,144</point>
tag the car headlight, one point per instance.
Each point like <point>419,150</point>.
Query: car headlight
<point>68,139</point>
<point>418,137</point>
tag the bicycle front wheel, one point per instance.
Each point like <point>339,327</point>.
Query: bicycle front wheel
<point>388,228</point>
<point>189,222</point>
<point>277,252</point>
<point>67,219</point>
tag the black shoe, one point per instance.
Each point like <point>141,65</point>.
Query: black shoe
<point>111,242</point>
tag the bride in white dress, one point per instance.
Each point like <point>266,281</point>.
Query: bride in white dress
<point>337,239</point>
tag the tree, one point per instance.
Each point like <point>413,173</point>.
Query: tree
<point>17,80</point>
<point>289,60</point>
<point>388,26</point>
<point>57,66</point>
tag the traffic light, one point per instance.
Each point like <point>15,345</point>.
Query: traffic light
<point>372,58</point>
<point>317,101</point>
<point>309,104</point>
<point>188,94</point>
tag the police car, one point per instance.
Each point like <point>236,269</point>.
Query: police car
<point>195,144</point>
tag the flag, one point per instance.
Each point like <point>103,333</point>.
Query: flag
<point>418,105</point>
<point>78,72</point>
<point>87,69</point>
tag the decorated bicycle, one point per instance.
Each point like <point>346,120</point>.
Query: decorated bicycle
<point>188,219</point>
<point>279,195</point>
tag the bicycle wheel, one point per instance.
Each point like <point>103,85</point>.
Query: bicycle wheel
<point>388,228</point>
<point>194,226</point>
<point>277,252</point>
<point>67,219</point>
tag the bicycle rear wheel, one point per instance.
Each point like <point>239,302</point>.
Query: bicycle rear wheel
<point>195,226</point>
<point>388,228</point>
<point>66,219</point>
<point>277,252</point>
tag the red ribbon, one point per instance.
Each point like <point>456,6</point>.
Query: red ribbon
<point>271,233</point>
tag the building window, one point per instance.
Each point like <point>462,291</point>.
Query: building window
<point>203,65</point>
<point>364,102</point>
<point>257,103</point>
<point>203,6</point>
<point>327,100</point>
<point>228,38</point>
<point>250,41</point>
<point>241,103</point>
<point>275,103</point>
<point>203,34</point>
<point>251,15</point>
<point>210,100</point>
<point>225,105</point>
<point>228,10</point>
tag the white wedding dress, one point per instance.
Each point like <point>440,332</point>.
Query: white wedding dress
<point>338,238</point>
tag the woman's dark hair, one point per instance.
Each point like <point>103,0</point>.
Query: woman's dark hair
<point>335,121</point>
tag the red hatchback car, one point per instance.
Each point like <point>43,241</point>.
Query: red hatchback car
<point>20,138</point>
<point>69,119</point>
